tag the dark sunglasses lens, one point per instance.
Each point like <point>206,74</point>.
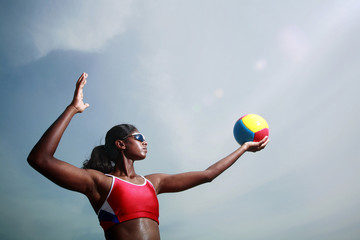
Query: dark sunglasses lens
<point>139,137</point>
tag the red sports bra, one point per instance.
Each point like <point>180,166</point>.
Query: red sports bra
<point>128,201</point>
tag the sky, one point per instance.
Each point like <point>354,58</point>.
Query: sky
<point>183,72</point>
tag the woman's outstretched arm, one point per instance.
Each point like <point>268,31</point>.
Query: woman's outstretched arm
<point>42,155</point>
<point>183,181</point>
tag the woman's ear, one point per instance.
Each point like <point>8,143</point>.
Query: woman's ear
<point>120,144</point>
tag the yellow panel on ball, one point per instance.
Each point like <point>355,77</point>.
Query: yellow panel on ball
<point>254,122</point>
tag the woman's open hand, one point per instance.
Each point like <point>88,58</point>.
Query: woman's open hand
<point>256,146</point>
<point>77,101</point>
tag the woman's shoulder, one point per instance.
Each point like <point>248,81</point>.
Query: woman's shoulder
<point>155,179</point>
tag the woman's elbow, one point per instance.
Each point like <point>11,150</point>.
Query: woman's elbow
<point>209,176</point>
<point>35,160</point>
<point>32,160</point>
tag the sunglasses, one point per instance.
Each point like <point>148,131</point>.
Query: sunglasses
<point>137,136</point>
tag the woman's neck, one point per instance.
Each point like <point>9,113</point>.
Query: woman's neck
<point>125,168</point>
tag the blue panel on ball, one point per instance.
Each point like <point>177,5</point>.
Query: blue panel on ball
<point>242,134</point>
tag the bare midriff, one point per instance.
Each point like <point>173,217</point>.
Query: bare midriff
<point>135,229</point>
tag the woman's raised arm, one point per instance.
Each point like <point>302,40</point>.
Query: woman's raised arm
<point>183,181</point>
<point>42,155</point>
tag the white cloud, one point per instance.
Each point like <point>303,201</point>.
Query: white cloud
<point>81,25</point>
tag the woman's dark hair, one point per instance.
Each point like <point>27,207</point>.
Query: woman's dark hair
<point>104,157</point>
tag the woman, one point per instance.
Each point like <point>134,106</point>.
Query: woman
<point>125,202</point>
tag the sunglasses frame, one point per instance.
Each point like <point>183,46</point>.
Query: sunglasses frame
<point>142,137</point>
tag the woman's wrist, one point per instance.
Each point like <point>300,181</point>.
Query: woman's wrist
<point>244,147</point>
<point>72,108</point>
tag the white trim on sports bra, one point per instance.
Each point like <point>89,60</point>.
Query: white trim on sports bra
<point>143,184</point>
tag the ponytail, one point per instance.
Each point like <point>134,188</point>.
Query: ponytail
<point>99,160</point>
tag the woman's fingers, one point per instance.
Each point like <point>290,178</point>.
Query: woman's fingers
<point>78,102</point>
<point>264,142</point>
<point>81,79</point>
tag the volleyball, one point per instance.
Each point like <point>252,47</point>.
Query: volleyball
<point>250,128</point>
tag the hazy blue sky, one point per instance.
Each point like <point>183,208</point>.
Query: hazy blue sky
<point>183,72</point>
